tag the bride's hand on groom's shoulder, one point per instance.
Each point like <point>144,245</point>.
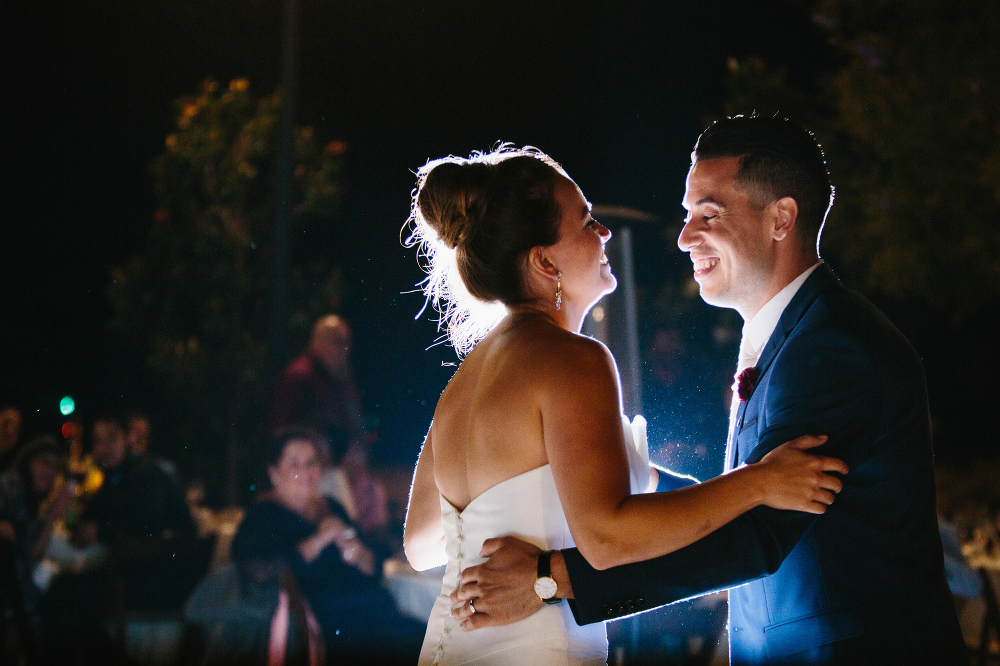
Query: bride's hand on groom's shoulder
<point>793,479</point>
<point>501,589</point>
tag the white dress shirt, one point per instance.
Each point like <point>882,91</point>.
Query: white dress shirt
<point>757,332</point>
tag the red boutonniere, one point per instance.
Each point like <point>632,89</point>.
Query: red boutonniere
<point>746,382</point>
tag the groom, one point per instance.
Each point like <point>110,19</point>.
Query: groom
<point>862,583</point>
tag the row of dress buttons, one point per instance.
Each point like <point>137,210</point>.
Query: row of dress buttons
<point>623,607</point>
<point>439,651</point>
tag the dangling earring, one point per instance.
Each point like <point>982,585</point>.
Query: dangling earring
<point>558,290</point>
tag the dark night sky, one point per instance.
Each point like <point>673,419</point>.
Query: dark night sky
<point>618,95</point>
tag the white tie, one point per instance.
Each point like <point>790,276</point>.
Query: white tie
<point>748,356</point>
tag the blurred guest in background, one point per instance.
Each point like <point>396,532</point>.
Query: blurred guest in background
<point>34,494</point>
<point>10,431</point>
<point>141,515</point>
<point>317,388</point>
<point>293,528</point>
<point>138,433</point>
<point>138,444</point>
<point>317,391</point>
<point>153,559</point>
<point>345,478</point>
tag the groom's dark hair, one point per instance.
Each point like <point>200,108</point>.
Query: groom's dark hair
<point>778,158</point>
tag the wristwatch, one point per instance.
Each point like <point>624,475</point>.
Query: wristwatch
<point>545,585</point>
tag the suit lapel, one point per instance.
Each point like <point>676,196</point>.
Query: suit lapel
<point>732,451</point>
<point>820,280</point>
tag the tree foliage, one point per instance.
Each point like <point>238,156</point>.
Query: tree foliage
<point>194,298</point>
<point>909,114</point>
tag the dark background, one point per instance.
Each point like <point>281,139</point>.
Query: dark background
<point>617,94</point>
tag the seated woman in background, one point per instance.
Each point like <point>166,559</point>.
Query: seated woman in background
<point>294,528</point>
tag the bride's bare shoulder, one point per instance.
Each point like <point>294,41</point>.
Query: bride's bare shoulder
<point>554,352</point>
<point>531,353</point>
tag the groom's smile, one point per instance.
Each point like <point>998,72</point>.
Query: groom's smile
<point>702,266</point>
<point>725,236</point>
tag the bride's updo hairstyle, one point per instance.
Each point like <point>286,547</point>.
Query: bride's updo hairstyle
<point>474,220</point>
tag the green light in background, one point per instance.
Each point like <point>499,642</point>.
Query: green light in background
<point>66,406</point>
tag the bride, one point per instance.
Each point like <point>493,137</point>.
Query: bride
<point>528,437</point>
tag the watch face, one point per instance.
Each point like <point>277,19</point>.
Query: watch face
<point>545,587</point>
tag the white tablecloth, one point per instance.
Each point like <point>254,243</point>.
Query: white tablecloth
<point>414,591</point>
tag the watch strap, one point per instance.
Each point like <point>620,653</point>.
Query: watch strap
<point>545,564</point>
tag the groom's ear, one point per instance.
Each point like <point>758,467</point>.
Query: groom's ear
<point>785,212</point>
<point>540,264</point>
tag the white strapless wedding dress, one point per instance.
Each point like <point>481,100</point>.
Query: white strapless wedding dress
<point>526,506</point>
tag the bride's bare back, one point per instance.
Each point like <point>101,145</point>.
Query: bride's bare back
<point>488,423</point>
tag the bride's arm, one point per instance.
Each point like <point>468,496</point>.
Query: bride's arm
<point>580,408</point>
<point>423,534</point>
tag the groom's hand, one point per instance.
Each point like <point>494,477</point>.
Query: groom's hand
<point>502,588</point>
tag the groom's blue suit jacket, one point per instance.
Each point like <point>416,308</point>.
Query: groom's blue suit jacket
<point>862,583</point>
